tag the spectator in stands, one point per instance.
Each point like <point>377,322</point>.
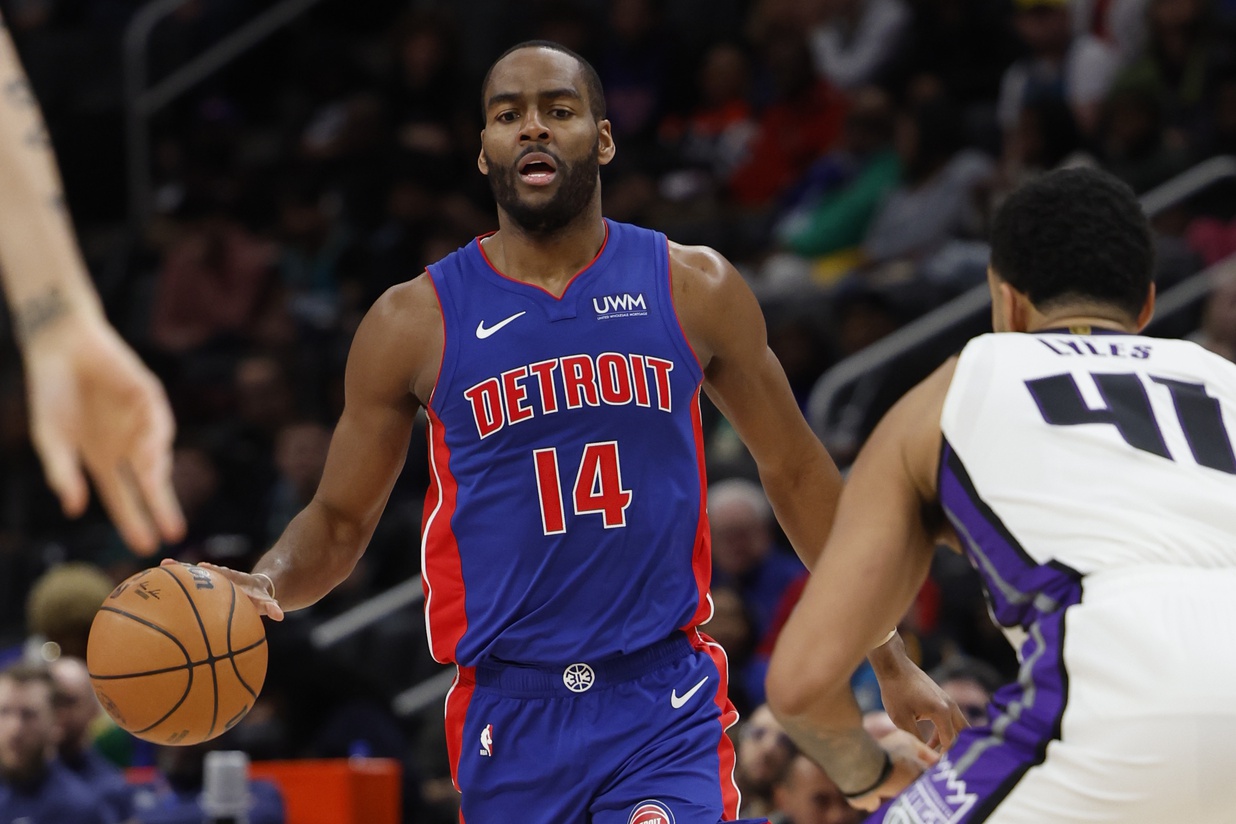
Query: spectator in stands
<point>1077,69</point>
<point>1119,23</point>
<point>709,141</point>
<point>837,197</point>
<point>174,796</point>
<point>34,786</point>
<point>802,122</point>
<point>937,199</point>
<point>965,44</point>
<point>1046,137</point>
<point>318,253</point>
<point>731,627</point>
<point>219,530</point>
<point>213,282</point>
<point>855,42</point>
<point>426,86</point>
<point>78,714</point>
<point>764,753</point>
<point>300,457</point>
<point>1132,141</point>
<point>805,794</point>
<point>1218,332</point>
<point>61,607</point>
<point>1184,52</point>
<point>744,554</point>
<point>971,683</point>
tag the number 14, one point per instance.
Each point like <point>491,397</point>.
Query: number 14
<point>597,489</point>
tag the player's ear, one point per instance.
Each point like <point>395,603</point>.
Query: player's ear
<point>482,162</point>
<point>606,149</point>
<point>1000,306</point>
<point>1144,316</point>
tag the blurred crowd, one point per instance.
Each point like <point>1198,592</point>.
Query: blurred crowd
<point>845,154</point>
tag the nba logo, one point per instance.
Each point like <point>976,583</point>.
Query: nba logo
<point>651,812</point>
<point>487,740</point>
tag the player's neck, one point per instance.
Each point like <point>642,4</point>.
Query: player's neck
<point>1080,320</point>
<point>546,260</point>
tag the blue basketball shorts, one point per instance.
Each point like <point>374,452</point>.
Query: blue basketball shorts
<point>637,739</point>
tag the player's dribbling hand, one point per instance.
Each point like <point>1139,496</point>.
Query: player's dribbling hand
<point>911,757</point>
<point>250,585</point>
<point>94,404</point>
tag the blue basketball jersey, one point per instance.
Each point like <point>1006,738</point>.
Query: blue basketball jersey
<point>566,515</point>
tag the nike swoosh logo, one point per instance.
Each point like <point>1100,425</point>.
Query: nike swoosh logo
<point>676,701</point>
<point>482,332</point>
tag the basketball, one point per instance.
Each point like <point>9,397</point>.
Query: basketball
<point>177,654</point>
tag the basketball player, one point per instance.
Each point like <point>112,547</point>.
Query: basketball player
<point>565,547</point>
<point>92,402</point>
<point>1089,474</point>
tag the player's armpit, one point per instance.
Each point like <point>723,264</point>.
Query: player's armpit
<point>725,325</point>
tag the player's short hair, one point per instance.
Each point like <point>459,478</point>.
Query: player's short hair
<point>1075,235</point>
<point>592,80</point>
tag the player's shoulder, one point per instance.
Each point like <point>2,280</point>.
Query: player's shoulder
<point>702,276</point>
<point>407,307</point>
<point>401,336</point>
<point>701,263</point>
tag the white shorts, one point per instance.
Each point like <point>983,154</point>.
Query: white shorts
<point>1124,711</point>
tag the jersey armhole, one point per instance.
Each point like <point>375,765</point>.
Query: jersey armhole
<point>446,363</point>
<point>665,283</point>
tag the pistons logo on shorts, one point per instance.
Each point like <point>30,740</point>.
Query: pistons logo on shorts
<point>651,812</point>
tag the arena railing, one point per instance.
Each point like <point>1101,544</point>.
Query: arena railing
<point>142,100</point>
<point>842,400</point>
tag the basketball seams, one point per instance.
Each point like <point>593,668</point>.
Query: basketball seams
<point>231,653</point>
<point>183,650</point>
<point>210,653</point>
<point>129,672</point>
<point>176,706</point>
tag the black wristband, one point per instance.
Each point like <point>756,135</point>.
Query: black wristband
<point>885,772</point>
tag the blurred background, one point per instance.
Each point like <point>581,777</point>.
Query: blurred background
<point>248,177</point>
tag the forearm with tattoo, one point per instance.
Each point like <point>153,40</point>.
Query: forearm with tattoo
<point>35,314</point>
<point>851,757</point>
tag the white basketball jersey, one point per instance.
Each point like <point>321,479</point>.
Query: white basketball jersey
<point>1095,452</point>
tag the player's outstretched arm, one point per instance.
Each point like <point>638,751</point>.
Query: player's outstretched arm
<point>743,377</point>
<point>93,404</point>
<point>393,362</point>
<point>877,557</point>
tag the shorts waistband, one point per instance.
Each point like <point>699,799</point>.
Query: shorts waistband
<point>582,676</point>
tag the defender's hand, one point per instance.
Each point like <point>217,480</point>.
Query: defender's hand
<point>94,404</point>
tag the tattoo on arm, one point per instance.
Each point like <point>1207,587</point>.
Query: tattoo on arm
<point>37,313</point>
<point>17,91</point>
<point>852,758</point>
<point>37,137</point>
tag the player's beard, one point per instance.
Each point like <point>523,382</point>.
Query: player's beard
<point>577,183</point>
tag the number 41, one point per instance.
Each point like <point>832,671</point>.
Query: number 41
<point>597,489</point>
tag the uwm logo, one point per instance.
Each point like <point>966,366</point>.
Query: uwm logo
<point>620,306</point>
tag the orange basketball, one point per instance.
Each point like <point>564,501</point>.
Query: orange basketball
<point>177,654</point>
